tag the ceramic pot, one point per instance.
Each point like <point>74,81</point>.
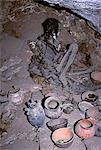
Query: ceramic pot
<point>35,114</point>
<point>53,107</point>
<point>85,128</point>
<point>94,113</point>
<point>96,77</point>
<point>62,137</point>
<point>68,108</point>
<point>90,96</point>
<point>16,96</point>
<point>83,106</point>
<point>54,124</point>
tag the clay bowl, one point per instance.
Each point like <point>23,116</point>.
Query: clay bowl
<point>83,106</point>
<point>54,124</point>
<point>85,128</point>
<point>89,96</point>
<point>62,137</point>
<point>96,77</point>
<point>68,108</point>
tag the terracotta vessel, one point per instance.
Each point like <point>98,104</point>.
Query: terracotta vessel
<point>85,128</point>
<point>62,137</point>
<point>96,77</point>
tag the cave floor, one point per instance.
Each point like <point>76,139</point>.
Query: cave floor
<point>16,132</point>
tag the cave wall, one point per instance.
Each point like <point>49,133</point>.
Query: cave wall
<point>88,9</point>
<point>8,6</point>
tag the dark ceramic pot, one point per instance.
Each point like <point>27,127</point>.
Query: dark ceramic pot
<point>90,96</point>
<point>54,124</point>
<point>35,114</point>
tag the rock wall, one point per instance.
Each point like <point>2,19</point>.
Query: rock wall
<point>8,6</point>
<point>90,10</point>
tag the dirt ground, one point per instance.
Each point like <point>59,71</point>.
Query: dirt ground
<point>25,24</point>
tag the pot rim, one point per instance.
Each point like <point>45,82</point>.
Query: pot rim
<point>49,99</point>
<point>69,141</point>
<point>88,120</point>
<point>84,102</point>
<point>86,98</point>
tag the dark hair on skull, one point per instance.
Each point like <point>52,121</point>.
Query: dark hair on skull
<point>50,28</point>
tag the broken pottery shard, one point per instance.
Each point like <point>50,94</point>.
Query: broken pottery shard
<point>90,10</point>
